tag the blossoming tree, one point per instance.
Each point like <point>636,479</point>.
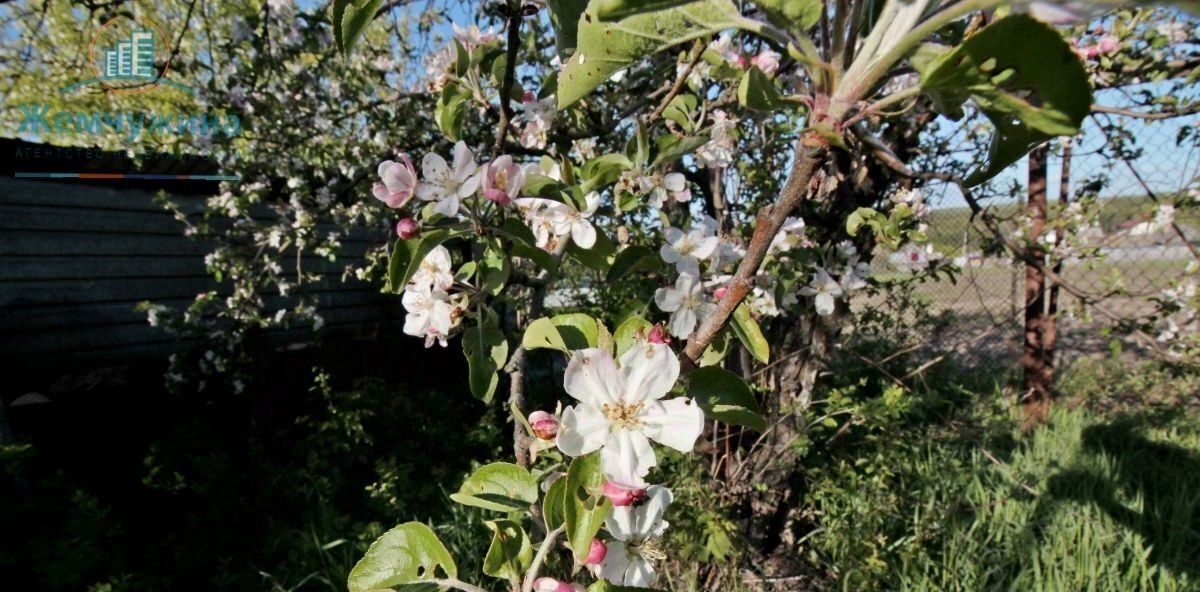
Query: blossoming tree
<point>640,187</point>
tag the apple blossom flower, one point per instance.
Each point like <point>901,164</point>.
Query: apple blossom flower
<point>553,585</point>
<point>545,425</point>
<point>502,180</point>
<point>472,37</point>
<point>407,228</point>
<point>767,60</point>
<point>637,529</point>
<point>623,496</point>
<point>596,553</point>
<point>439,67</point>
<point>660,187</point>
<point>686,303</point>
<point>1175,31</point>
<point>538,116</point>
<point>432,313</point>
<point>399,182</point>
<point>913,257</point>
<point>685,248</point>
<point>824,291</point>
<point>621,409</point>
<point>790,236</point>
<point>434,270</point>
<point>551,220</point>
<point>723,47</point>
<point>446,185</point>
<point>718,152</point>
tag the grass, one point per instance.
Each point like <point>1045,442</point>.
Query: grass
<point>1106,496</point>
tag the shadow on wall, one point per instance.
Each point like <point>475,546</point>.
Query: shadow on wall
<point>1165,477</point>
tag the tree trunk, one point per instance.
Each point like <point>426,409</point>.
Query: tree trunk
<point>1037,377</point>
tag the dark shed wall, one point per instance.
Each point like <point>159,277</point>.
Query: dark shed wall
<point>76,259</point>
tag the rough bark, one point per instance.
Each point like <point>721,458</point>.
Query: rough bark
<point>1037,376</point>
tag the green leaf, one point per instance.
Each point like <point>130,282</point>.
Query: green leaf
<point>407,554</point>
<point>542,334</point>
<point>628,334</point>
<point>407,257</point>
<point>584,509</point>
<point>681,110</point>
<point>634,258</point>
<point>486,350</point>
<point>553,504</point>
<point>565,332</point>
<point>564,17</point>
<point>613,10</point>
<point>578,331</point>
<point>350,17</point>
<point>756,91</point>
<point>724,396</point>
<point>746,329</point>
<point>599,257</point>
<point>510,552</point>
<point>1023,76</point>
<point>715,352</point>
<point>451,110</point>
<point>525,244</point>
<point>495,268</point>
<point>672,148</point>
<point>603,171</point>
<point>503,487</point>
<point>796,15</point>
<point>607,47</point>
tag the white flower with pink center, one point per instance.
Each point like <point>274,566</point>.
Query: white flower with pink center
<point>552,220</point>
<point>824,289</point>
<point>502,180</point>
<point>661,187</point>
<point>445,184</point>
<point>621,409</point>
<point>399,182</point>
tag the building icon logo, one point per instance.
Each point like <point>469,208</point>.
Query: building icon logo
<point>129,56</point>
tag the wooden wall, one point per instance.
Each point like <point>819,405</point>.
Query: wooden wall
<point>76,259</point>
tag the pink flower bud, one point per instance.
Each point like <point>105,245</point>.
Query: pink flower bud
<point>407,228</point>
<point>596,553</point>
<point>767,61</point>
<point>658,334</point>
<point>720,293</point>
<point>545,425</point>
<point>553,585</point>
<point>528,97</point>
<point>1109,44</point>
<point>622,496</point>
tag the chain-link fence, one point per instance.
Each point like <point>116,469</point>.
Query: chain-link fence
<point>1126,165</point>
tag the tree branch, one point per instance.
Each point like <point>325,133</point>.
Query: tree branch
<point>809,157</point>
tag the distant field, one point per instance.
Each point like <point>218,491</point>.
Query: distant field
<point>946,225</point>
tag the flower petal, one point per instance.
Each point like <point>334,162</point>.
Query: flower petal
<point>648,372</point>
<point>626,458</point>
<point>592,377</point>
<point>583,429</point>
<point>434,167</point>
<point>683,321</point>
<point>674,422</point>
<point>583,233</point>
<point>616,562</point>
<point>668,299</point>
<point>640,573</point>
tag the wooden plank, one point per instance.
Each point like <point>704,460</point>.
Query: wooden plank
<point>55,218</point>
<point>63,194</point>
<point>36,242</point>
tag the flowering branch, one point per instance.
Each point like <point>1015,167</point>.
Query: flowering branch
<point>543,551</point>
